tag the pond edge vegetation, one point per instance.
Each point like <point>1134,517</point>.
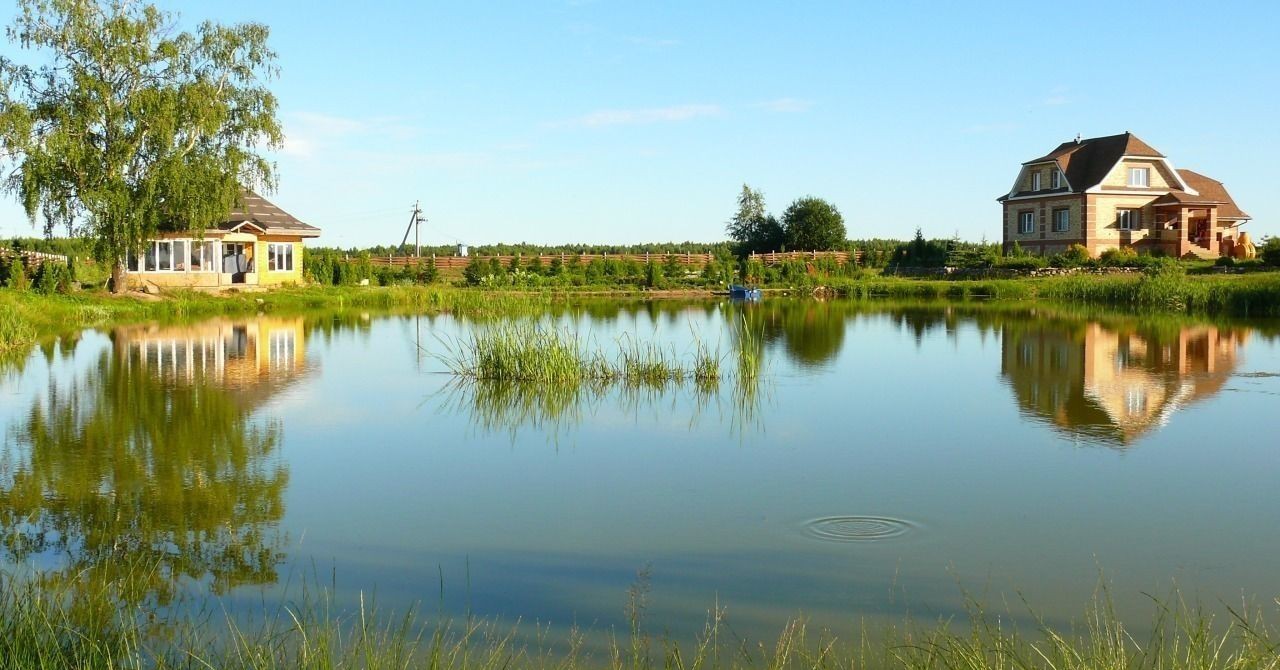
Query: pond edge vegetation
<point>66,627</point>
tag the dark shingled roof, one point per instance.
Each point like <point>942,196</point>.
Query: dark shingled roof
<point>262,213</point>
<point>1087,162</point>
<point>1211,191</point>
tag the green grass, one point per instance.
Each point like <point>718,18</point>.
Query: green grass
<point>17,334</point>
<point>528,353</point>
<point>45,625</point>
<point>1234,295</point>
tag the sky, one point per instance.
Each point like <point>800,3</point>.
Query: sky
<point>579,121</point>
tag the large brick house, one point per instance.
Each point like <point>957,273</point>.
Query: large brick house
<point>1117,191</point>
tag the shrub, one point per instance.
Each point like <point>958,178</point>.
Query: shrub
<point>653,275</point>
<point>1022,263</point>
<point>51,277</point>
<point>1075,256</point>
<point>1225,262</point>
<point>17,279</point>
<point>1163,267</point>
<point>427,273</point>
<point>1269,252</point>
<point>1118,257</point>
<point>475,271</point>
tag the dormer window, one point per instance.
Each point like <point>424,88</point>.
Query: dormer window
<point>1035,180</point>
<point>1055,179</point>
<point>1140,177</point>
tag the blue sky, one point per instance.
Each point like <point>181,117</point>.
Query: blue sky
<point>580,121</point>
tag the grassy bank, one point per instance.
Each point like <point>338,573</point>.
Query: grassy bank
<point>60,312</point>
<point>46,627</point>
<point>25,314</point>
<point>1235,295</point>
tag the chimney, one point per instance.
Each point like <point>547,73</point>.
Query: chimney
<point>1077,138</point>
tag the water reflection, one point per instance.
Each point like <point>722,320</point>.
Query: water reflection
<point>150,465</point>
<point>1110,379</point>
<point>1115,383</point>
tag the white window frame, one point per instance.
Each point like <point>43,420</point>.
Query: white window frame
<point>1144,181</point>
<point>1026,223</point>
<point>1035,180</point>
<point>1055,179</point>
<point>137,263</point>
<point>1129,219</point>
<point>278,251</point>
<point>1061,223</point>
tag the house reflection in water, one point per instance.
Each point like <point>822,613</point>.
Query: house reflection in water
<point>256,357</point>
<point>1115,384</point>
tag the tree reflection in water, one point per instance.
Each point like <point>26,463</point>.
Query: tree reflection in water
<point>149,469</point>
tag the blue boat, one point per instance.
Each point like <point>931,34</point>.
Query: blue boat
<point>737,292</point>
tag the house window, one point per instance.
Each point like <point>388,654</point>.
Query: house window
<point>1026,222</point>
<point>1140,177</point>
<point>1055,179</point>
<point>282,349</point>
<point>1061,220</point>
<point>202,257</point>
<point>280,257</point>
<point>1129,219</point>
<point>1035,180</point>
<point>1135,400</point>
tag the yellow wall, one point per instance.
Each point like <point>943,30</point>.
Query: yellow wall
<point>1159,175</point>
<point>1106,231</point>
<point>1046,181</point>
<point>256,250</point>
<point>266,277</point>
<point>1043,210</point>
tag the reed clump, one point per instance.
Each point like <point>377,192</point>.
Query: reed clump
<point>529,353</point>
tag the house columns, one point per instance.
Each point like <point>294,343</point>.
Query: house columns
<point>1213,231</point>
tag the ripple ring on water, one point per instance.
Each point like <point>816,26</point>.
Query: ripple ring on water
<point>858,528</point>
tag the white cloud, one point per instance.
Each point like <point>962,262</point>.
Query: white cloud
<point>307,134</point>
<point>630,117</point>
<point>785,105</point>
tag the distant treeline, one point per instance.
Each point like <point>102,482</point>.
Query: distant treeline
<point>877,252</point>
<point>63,246</point>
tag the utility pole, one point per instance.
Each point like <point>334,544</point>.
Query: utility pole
<point>415,222</point>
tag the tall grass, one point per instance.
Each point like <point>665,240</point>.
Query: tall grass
<point>528,353</point>
<point>1255,295</point>
<point>58,625</point>
<point>16,333</point>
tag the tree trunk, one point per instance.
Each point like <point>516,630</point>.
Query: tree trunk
<point>117,278</point>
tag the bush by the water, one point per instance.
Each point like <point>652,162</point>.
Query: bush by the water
<point>1269,252</point>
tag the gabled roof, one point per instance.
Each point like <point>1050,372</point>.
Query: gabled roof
<point>263,214</point>
<point>1211,192</point>
<point>1087,162</point>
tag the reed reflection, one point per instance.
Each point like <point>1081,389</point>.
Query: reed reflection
<point>151,468</point>
<point>1115,383</point>
<point>732,394</point>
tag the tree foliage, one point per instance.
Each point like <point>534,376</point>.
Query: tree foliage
<point>130,127</point>
<point>813,224</point>
<point>752,228</point>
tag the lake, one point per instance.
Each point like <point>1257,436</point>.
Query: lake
<point>891,460</point>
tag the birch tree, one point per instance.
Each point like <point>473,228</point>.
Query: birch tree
<point>124,126</point>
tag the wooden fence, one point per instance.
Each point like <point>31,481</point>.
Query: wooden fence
<point>32,258</point>
<point>687,259</point>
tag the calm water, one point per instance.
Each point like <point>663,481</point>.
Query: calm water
<point>891,459</point>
